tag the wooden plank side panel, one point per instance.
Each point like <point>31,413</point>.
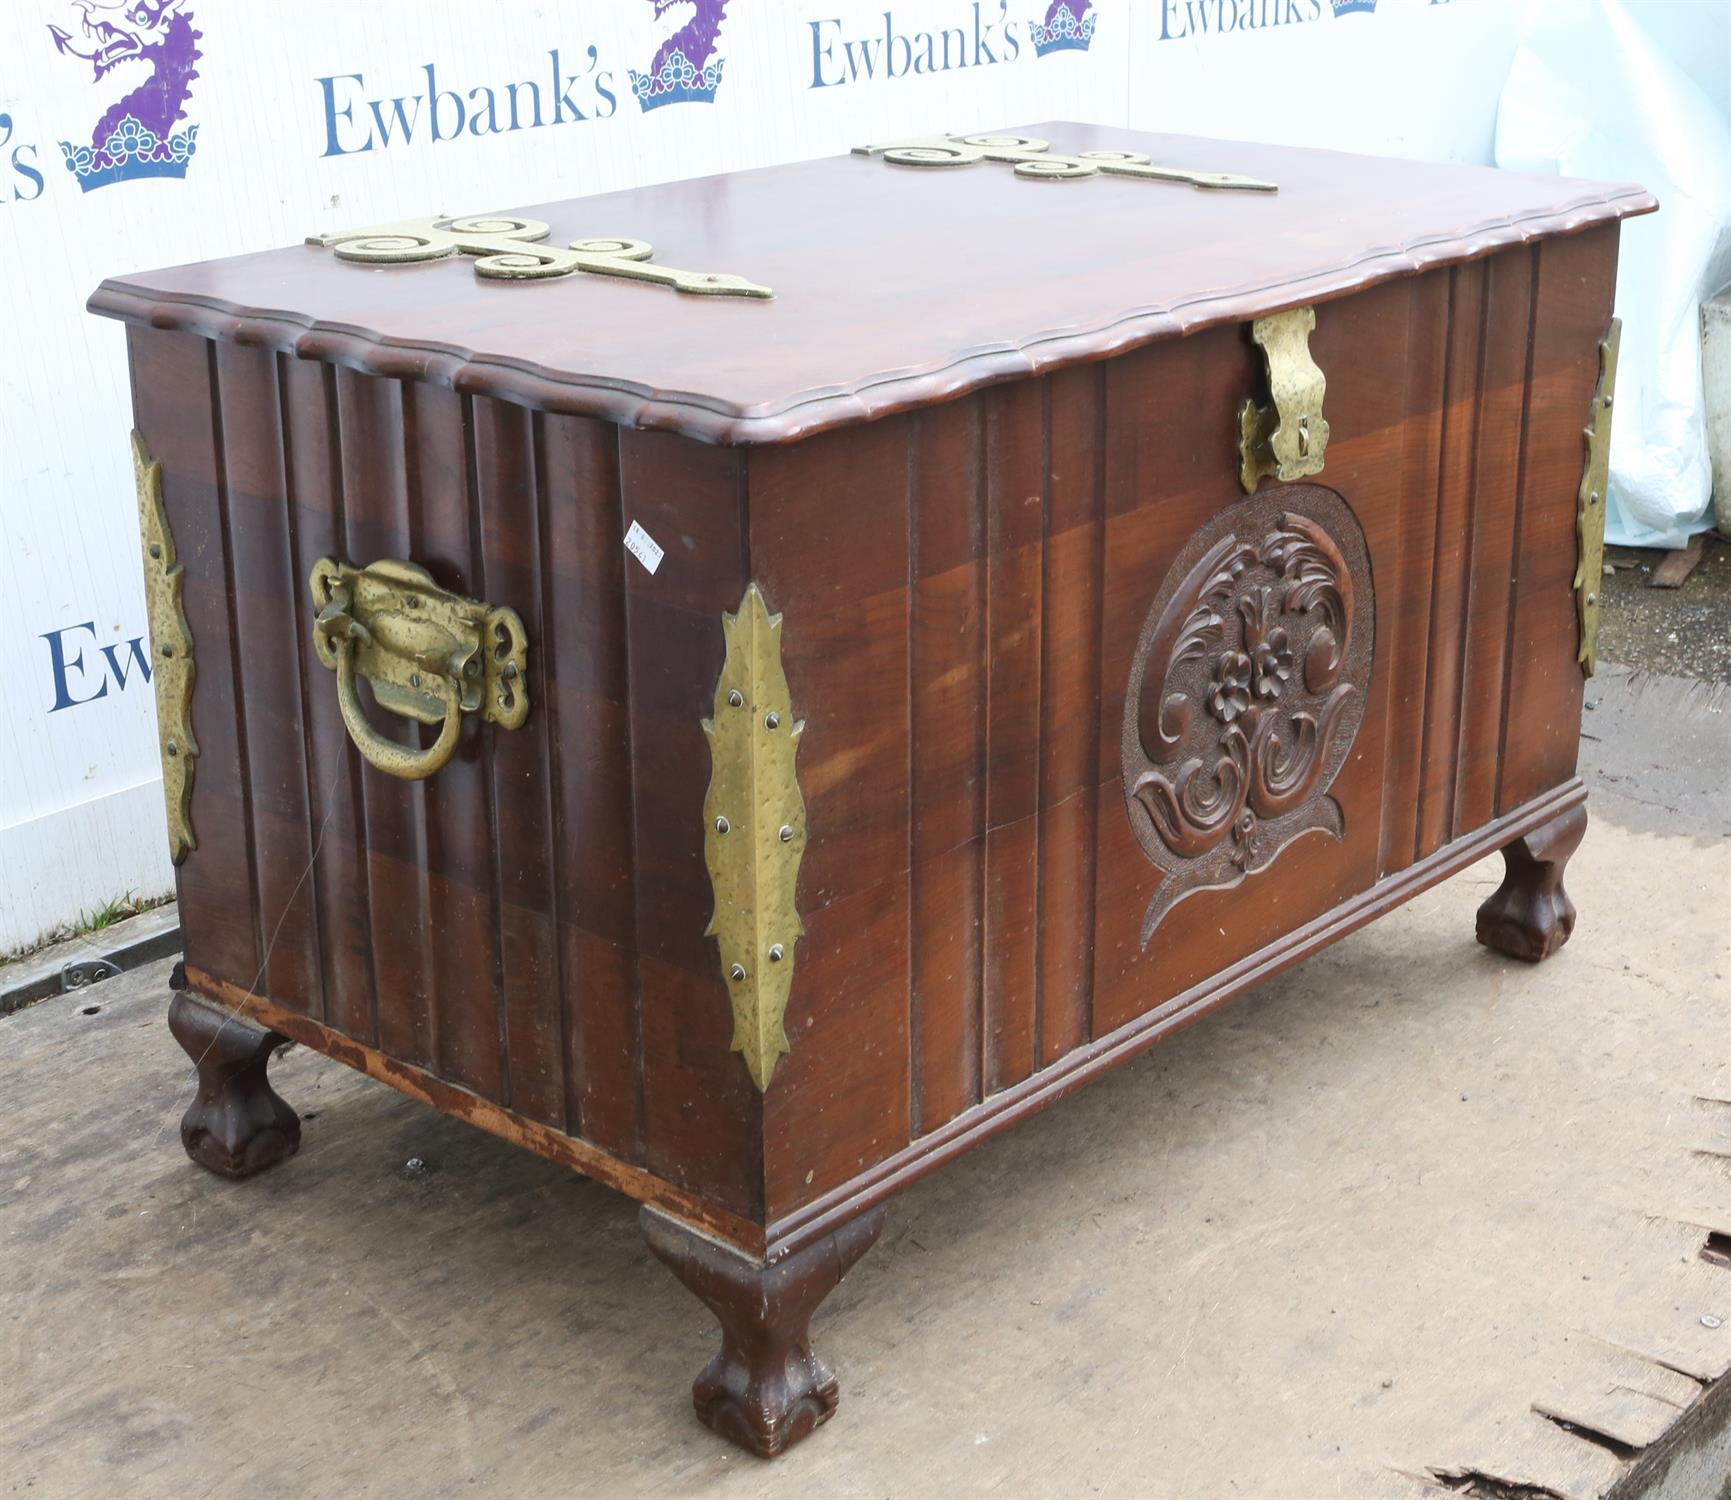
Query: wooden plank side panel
<point>1404,576</point>
<point>829,547</point>
<point>376,442</point>
<point>1015,474</point>
<point>173,389</point>
<point>583,673</point>
<point>1491,573</point>
<point>339,880</point>
<point>702,1114</point>
<point>1451,553</point>
<point>946,749</point>
<point>269,670</point>
<point>461,977</point>
<point>1576,279</point>
<point>1070,727</point>
<point>519,795</point>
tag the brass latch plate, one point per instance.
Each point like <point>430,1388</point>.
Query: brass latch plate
<point>1287,437</point>
<point>754,834</point>
<point>1590,508</point>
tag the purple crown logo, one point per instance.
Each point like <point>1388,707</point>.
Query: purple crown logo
<point>1068,27</point>
<point>686,68</point>
<point>1354,7</point>
<point>137,136</point>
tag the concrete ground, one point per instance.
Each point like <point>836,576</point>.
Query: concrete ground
<point>1411,1220</point>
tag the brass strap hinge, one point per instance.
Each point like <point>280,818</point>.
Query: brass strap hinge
<point>509,248</point>
<point>1033,158</point>
<point>1287,437</point>
<point>754,834</point>
<point>1590,507</point>
<point>172,670</point>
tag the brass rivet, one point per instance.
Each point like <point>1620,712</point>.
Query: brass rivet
<point>722,825</point>
<point>775,953</point>
<point>736,699</point>
<point>172,748</point>
<point>1592,598</point>
<point>167,651</point>
<point>786,833</point>
<point>1608,395</point>
<point>772,721</point>
<point>1592,497</point>
<point>737,972</point>
<point>155,549</point>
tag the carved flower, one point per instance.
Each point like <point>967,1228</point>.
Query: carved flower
<point>1230,695</point>
<point>1243,838</point>
<point>1273,664</point>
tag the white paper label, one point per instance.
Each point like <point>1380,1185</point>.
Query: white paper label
<point>641,545</point>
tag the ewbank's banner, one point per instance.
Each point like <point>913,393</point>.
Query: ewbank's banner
<point>141,133</point>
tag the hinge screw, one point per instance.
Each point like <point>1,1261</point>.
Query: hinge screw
<point>787,833</point>
<point>736,699</point>
<point>722,825</point>
<point>772,721</point>
<point>172,747</point>
<point>737,973</point>
<point>775,953</point>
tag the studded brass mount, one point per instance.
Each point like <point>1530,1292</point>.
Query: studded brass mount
<point>173,670</point>
<point>1590,508</point>
<point>754,835</point>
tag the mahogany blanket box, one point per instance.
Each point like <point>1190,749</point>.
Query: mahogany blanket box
<point>750,686</point>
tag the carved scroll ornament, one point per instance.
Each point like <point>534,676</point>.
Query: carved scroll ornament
<point>1246,691</point>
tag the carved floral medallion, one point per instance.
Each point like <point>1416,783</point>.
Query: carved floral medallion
<point>1246,691</point>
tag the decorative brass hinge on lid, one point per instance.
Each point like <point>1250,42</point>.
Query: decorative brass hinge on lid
<point>1590,509</point>
<point>172,671</point>
<point>430,655</point>
<point>1286,438</point>
<point>509,249</point>
<point>754,834</point>
<point>1033,158</point>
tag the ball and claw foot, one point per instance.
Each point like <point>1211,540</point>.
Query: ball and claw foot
<point>1530,915</point>
<point>237,1125</point>
<point>765,1390</point>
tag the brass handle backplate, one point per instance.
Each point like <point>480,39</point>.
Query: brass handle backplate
<point>430,655</point>
<point>1287,437</point>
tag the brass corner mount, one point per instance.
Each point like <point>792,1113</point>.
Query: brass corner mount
<point>1590,506</point>
<point>754,833</point>
<point>172,669</point>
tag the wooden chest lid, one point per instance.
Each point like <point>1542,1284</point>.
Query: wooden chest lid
<point>895,286</point>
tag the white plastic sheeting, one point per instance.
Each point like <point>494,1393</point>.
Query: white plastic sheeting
<point>1591,95</point>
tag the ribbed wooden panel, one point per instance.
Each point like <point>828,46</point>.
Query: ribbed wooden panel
<point>486,923</point>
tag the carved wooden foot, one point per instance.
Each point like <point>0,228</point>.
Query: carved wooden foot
<point>1530,916</point>
<point>237,1125</point>
<point>765,1390</point>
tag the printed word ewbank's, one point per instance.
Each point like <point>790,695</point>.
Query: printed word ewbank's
<point>979,41</point>
<point>355,122</point>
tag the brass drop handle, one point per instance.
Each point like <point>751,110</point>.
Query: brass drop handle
<point>386,754</point>
<point>430,655</point>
